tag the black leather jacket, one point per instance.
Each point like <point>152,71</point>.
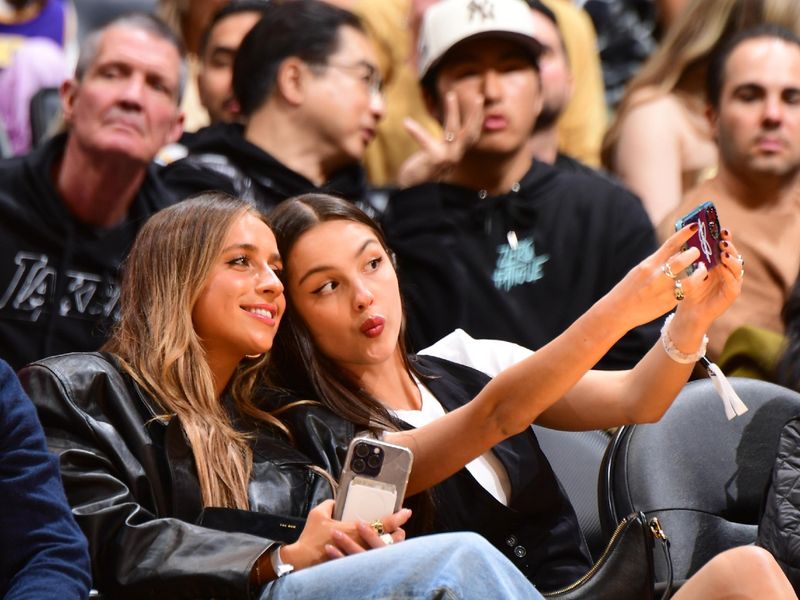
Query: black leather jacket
<point>778,529</point>
<point>538,530</point>
<point>132,485</point>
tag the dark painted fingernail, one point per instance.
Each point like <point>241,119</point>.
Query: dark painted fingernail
<point>694,227</point>
<point>727,255</point>
<point>725,232</point>
<point>725,244</point>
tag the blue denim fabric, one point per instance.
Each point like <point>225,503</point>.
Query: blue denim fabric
<point>446,566</point>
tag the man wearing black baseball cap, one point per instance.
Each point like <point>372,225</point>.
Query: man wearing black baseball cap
<point>501,245</point>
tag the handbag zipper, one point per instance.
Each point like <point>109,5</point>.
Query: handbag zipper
<point>655,527</point>
<point>599,561</point>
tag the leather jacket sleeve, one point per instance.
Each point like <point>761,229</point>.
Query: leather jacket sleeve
<point>142,540</point>
<point>777,526</point>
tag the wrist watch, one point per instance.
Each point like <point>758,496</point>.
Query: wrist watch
<point>281,568</point>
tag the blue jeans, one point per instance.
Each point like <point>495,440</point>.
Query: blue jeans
<point>445,566</point>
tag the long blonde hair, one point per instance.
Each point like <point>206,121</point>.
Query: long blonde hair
<point>683,55</point>
<point>156,342</point>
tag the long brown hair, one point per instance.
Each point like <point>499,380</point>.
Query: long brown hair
<point>156,342</point>
<point>295,362</point>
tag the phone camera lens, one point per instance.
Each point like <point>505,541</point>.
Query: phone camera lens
<point>362,450</point>
<point>374,461</point>
<point>359,466</point>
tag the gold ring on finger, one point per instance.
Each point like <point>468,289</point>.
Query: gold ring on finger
<point>377,526</point>
<point>668,270</point>
<point>678,291</point>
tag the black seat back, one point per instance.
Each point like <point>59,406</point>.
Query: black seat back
<point>45,110</point>
<point>575,457</point>
<point>702,475</point>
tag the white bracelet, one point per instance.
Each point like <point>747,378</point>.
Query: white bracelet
<point>674,353</point>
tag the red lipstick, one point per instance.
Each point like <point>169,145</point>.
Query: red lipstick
<point>373,326</point>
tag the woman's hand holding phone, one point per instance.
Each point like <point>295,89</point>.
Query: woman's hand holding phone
<point>709,293</point>
<point>324,538</point>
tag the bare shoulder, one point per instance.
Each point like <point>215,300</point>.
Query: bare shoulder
<point>655,103</point>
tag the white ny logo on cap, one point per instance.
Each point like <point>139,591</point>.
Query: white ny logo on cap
<point>483,10</point>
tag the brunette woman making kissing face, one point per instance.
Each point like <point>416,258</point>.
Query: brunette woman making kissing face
<point>341,343</point>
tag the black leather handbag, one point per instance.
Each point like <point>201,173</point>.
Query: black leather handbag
<point>625,568</point>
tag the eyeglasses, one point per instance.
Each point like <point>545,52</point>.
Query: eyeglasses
<point>368,75</point>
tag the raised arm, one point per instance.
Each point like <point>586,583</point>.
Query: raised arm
<point>537,387</point>
<point>642,394</point>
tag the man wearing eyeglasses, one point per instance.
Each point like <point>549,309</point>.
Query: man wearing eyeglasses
<point>308,85</point>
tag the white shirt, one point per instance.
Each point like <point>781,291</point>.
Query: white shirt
<point>490,357</point>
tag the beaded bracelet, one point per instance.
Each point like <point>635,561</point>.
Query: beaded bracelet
<point>674,353</point>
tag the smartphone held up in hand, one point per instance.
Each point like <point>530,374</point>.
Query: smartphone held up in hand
<point>706,238</point>
<point>373,482</point>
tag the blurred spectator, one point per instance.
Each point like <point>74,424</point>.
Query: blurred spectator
<point>625,38</point>
<point>189,19</point>
<point>308,83</point>
<point>391,26</point>
<point>43,554</point>
<point>21,20</point>
<point>37,64</point>
<point>504,247</point>
<point>558,85</point>
<point>33,36</point>
<point>583,121</point>
<point>660,143</point>
<point>217,51</point>
<point>755,118</point>
<point>70,210</point>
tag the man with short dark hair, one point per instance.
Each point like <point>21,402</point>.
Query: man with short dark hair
<point>70,210</point>
<point>308,85</point>
<point>217,51</point>
<point>754,107</point>
<point>506,247</point>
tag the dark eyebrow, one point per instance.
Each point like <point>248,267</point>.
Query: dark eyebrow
<point>749,86</point>
<point>220,51</point>
<point>321,268</point>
